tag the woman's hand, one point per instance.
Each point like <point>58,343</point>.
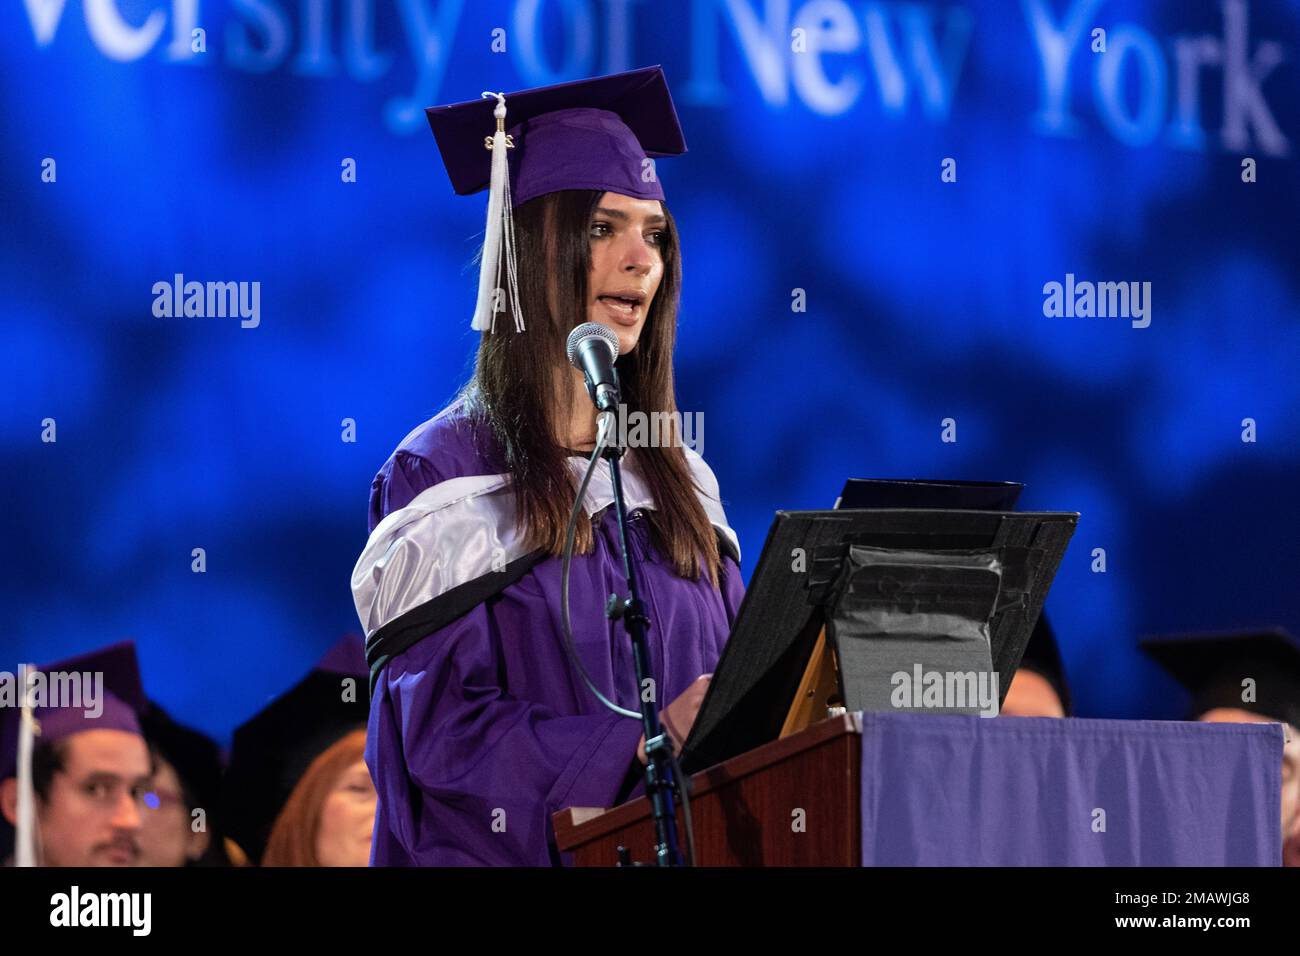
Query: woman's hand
<point>679,716</point>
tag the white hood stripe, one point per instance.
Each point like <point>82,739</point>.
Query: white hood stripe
<point>463,528</point>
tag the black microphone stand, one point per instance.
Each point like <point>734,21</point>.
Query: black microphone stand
<point>660,783</point>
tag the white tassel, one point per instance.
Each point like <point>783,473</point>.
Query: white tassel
<point>25,823</point>
<point>499,238</point>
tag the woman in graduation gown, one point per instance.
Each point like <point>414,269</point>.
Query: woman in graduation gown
<point>480,728</point>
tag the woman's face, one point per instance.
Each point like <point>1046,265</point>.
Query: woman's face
<point>626,237</point>
<point>347,820</point>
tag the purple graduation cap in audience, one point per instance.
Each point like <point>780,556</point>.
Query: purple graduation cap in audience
<point>601,133</point>
<point>114,670</point>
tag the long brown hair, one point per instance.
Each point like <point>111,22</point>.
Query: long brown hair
<point>519,379</point>
<point>293,838</point>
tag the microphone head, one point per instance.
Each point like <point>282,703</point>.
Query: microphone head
<point>584,332</point>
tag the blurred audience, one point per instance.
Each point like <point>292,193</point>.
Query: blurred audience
<point>297,792</point>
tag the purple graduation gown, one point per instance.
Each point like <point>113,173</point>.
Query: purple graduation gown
<point>481,730</point>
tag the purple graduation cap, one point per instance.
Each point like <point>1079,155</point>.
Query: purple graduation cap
<point>587,134</point>
<point>111,678</point>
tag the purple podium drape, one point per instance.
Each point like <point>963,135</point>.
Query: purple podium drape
<point>940,790</point>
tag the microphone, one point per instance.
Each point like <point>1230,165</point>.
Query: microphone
<point>592,350</point>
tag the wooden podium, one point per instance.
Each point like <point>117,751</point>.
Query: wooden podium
<point>792,802</point>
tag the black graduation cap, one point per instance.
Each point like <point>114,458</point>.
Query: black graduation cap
<point>1043,657</point>
<point>1212,667</point>
<point>273,749</point>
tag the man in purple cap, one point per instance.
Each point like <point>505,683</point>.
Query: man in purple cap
<point>481,726</point>
<point>90,767</point>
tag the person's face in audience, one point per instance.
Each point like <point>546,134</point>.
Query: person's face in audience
<point>1031,695</point>
<point>347,820</point>
<point>92,813</point>
<point>1290,772</point>
<point>167,836</point>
